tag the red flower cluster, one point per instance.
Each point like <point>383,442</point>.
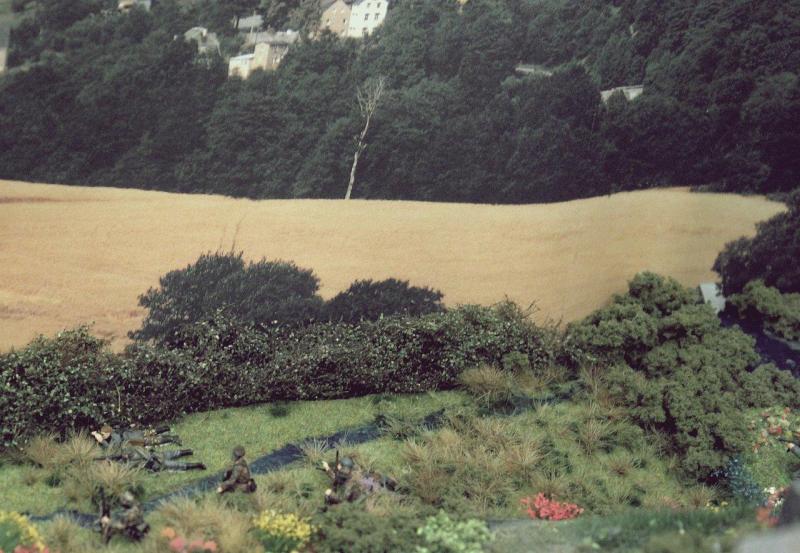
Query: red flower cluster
<point>547,509</point>
<point>179,544</point>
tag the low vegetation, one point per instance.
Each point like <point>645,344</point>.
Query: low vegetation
<point>639,406</point>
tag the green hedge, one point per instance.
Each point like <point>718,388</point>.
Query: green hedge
<point>779,313</point>
<point>679,373</point>
<point>72,381</point>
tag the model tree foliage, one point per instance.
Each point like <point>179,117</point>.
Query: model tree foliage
<point>370,300</point>
<point>680,374</point>
<point>262,293</point>
<point>114,99</point>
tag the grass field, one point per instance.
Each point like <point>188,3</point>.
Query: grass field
<point>72,255</point>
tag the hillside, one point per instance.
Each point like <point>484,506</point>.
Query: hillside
<point>72,255</point>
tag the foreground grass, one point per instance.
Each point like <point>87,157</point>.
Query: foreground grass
<point>471,467</point>
<point>213,435</point>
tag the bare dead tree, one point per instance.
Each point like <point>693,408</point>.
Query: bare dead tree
<point>369,97</point>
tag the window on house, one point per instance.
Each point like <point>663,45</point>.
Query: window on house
<point>377,16</point>
<point>364,31</point>
<point>366,17</point>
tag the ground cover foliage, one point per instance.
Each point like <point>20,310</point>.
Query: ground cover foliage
<point>721,103</point>
<point>639,406</point>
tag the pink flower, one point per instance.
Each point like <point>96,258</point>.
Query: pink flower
<point>177,544</point>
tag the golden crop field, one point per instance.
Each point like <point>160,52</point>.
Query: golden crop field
<point>72,255</point>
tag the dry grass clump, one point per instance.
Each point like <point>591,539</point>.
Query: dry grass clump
<point>82,481</point>
<point>315,452</point>
<point>489,385</point>
<point>64,535</point>
<point>44,451</point>
<point>480,461</point>
<point>210,519</point>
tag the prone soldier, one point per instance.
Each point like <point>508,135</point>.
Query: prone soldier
<point>127,521</point>
<point>154,461</point>
<point>237,478</point>
<point>109,438</point>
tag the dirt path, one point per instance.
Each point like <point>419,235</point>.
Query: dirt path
<point>72,255</point>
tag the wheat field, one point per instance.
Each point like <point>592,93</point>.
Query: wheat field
<point>72,255</point>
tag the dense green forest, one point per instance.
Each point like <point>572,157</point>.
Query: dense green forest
<point>98,97</point>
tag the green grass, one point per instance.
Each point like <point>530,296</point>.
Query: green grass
<point>213,435</point>
<point>581,452</point>
<point>626,532</point>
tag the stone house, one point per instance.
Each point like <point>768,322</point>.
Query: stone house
<point>207,43</point>
<point>353,18</point>
<point>366,16</point>
<point>239,66</point>
<point>335,16</point>
<point>268,52</point>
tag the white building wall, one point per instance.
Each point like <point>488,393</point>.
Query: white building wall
<point>239,66</point>
<point>366,16</point>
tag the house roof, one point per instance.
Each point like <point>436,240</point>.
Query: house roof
<point>281,37</point>
<point>325,4</point>
<point>250,22</point>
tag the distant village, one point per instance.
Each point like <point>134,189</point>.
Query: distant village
<point>265,48</point>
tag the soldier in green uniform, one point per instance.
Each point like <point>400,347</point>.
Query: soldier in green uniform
<point>237,478</point>
<point>793,448</point>
<point>109,438</point>
<point>154,461</point>
<point>350,483</point>
<point>127,521</point>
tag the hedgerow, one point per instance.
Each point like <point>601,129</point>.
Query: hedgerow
<point>72,381</point>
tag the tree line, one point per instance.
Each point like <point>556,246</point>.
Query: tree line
<point>101,98</point>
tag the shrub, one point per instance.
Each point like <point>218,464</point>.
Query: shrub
<point>369,300</point>
<point>771,255</point>
<point>56,385</point>
<point>349,528</point>
<point>262,293</point>
<point>740,482</point>
<point>779,313</point>
<point>73,381</point>
<point>17,532</point>
<point>282,533</point>
<point>441,534</point>
<point>679,372</point>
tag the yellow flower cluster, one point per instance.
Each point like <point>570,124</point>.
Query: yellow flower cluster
<point>284,525</point>
<point>29,535</point>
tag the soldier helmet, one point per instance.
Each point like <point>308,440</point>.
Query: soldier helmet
<point>238,452</point>
<point>127,499</point>
<point>347,463</point>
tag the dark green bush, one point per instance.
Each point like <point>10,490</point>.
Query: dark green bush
<point>72,381</point>
<point>771,255</point>
<point>349,528</point>
<point>679,372</point>
<point>263,293</point>
<point>779,313</point>
<point>369,300</point>
<point>63,383</point>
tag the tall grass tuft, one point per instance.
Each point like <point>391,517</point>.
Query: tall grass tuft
<point>209,518</point>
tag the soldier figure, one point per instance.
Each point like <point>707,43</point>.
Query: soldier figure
<point>237,478</point>
<point>127,521</point>
<point>154,461</point>
<point>793,448</point>
<point>350,483</point>
<point>107,437</point>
